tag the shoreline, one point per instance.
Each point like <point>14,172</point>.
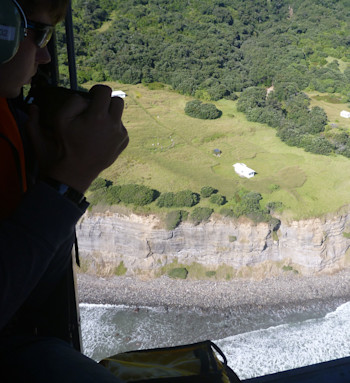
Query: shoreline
<point>166,292</point>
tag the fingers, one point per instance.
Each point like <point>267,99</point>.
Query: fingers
<point>92,136</point>
<point>103,103</point>
<point>74,106</point>
<point>116,108</point>
<point>101,98</point>
<point>125,141</point>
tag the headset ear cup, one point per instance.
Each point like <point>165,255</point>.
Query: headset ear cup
<point>11,31</point>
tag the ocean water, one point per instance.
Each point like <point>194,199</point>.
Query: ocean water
<point>255,340</point>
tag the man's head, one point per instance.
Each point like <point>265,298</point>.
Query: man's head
<point>38,15</point>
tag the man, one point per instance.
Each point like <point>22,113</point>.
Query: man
<point>39,211</point>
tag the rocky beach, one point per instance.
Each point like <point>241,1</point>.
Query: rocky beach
<point>167,292</point>
<point>262,326</point>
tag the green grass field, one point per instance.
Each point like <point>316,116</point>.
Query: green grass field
<point>170,151</point>
<point>332,105</point>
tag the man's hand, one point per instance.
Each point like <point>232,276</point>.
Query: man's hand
<point>89,136</point>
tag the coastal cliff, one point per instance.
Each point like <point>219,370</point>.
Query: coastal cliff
<point>113,243</point>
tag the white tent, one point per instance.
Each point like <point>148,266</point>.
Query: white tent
<point>345,114</point>
<point>243,170</point>
<point>118,93</point>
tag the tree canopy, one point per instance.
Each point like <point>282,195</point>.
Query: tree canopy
<point>211,49</point>
<point>214,47</point>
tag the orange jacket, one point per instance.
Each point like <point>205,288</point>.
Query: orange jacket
<point>12,162</point>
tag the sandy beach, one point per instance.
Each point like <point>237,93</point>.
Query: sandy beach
<point>168,292</point>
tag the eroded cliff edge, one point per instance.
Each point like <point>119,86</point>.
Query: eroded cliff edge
<point>113,243</point>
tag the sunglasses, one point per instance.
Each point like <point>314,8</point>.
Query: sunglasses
<point>42,32</point>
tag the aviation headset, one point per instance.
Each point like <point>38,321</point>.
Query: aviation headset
<point>12,29</point>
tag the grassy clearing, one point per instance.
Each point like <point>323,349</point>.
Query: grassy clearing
<point>333,105</point>
<point>170,151</point>
<point>105,26</point>
<point>342,64</point>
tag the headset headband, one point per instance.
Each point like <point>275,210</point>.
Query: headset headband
<point>11,28</point>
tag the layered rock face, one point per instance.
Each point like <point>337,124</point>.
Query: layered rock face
<point>246,249</point>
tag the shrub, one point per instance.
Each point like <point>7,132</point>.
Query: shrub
<point>113,195</point>
<point>232,96</point>
<point>289,132</point>
<point>273,187</point>
<point>248,204</point>
<point>178,272</point>
<point>274,224</point>
<point>252,97</point>
<point>207,191</point>
<point>318,145</point>
<point>166,200</point>
<point>138,195</point>
<point>155,85</point>
<point>99,183</point>
<point>184,215</point>
<point>251,202</point>
<point>201,214</point>
<point>174,218</point>
<point>218,199</point>
<point>232,238</point>
<point>209,112</point>
<point>227,212</point>
<point>217,92</point>
<point>254,114</point>
<point>98,196</point>
<point>120,269</point>
<point>210,273</point>
<point>197,109</point>
<point>259,216</point>
<point>271,117</point>
<point>290,268</point>
<point>274,206</point>
<point>192,108</point>
<point>185,198</point>
<point>275,236</point>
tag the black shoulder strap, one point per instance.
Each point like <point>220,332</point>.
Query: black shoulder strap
<point>16,159</point>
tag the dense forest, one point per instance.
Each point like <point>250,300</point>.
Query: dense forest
<point>224,49</point>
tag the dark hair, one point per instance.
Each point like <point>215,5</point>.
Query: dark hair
<point>56,8</point>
